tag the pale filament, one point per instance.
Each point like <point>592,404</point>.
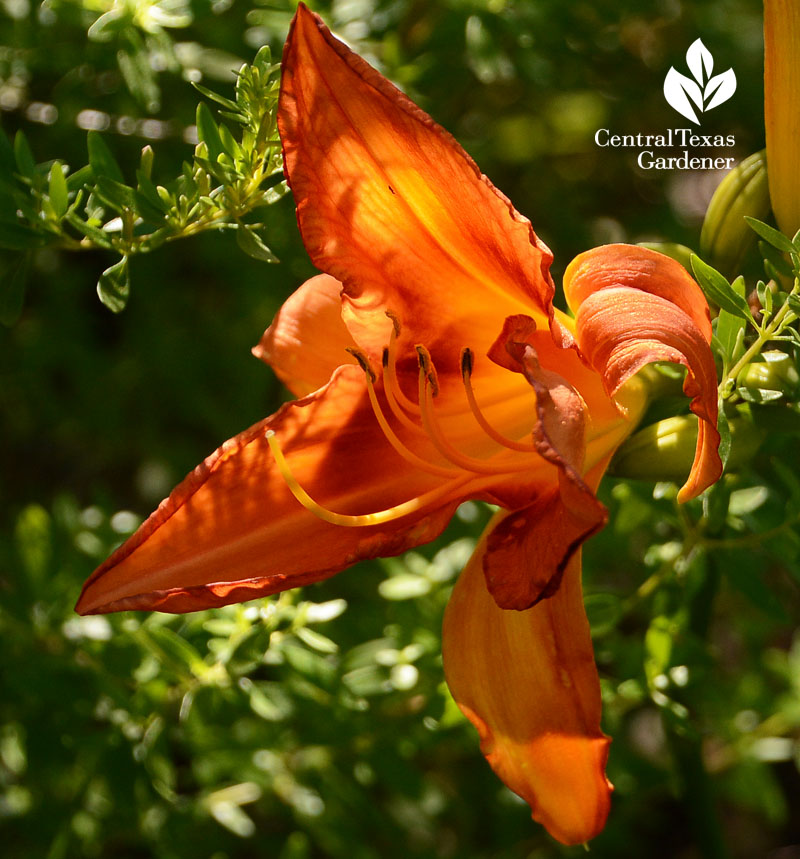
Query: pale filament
<point>463,468</point>
<point>390,372</point>
<point>392,391</point>
<point>428,388</point>
<point>466,374</point>
<point>390,434</point>
<point>414,505</point>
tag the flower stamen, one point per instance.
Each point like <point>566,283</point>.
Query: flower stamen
<point>390,369</point>
<point>466,374</point>
<point>428,389</point>
<point>392,392</point>
<point>406,508</point>
<point>390,434</point>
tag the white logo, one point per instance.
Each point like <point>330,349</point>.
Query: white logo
<point>705,91</point>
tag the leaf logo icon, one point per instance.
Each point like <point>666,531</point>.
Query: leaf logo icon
<point>692,97</point>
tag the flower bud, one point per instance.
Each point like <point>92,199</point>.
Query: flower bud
<point>773,377</point>
<point>781,114</point>
<point>665,450</point>
<point>726,237</point>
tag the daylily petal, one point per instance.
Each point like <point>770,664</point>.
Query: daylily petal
<point>648,310</point>
<point>308,340</point>
<point>528,683</point>
<point>389,204</point>
<point>639,268</point>
<point>528,551</point>
<point>565,514</point>
<point>232,531</point>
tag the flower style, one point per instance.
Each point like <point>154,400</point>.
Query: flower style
<point>431,367</point>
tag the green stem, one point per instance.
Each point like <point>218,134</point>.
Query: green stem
<point>765,335</point>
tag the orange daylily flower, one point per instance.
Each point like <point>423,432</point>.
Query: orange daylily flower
<point>431,367</point>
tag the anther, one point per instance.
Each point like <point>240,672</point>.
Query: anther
<point>406,508</point>
<point>395,321</point>
<point>362,361</point>
<point>426,367</point>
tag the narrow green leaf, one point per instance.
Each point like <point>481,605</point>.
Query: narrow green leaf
<point>96,235</point>
<point>724,436</point>
<point>113,287</point>
<point>775,258</point>
<point>57,190</point>
<point>219,99</point>
<point>24,157</point>
<point>207,131</point>
<point>759,395</point>
<point>771,235</point>
<point>147,209</point>
<point>729,325</point>
<point>102,161</point>
<point>115,194</point>
<point>794,303</point>
<point>228,141</point>
<point>252,244</point>
<point>718,290</point>
<point>179,652</point>
<point>80,178</point>
<point>12,289</point>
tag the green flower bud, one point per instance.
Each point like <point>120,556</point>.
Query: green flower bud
<point>773,377</point>
<point>680,253</point>
<point>726,237</point>
<point>665,450</point>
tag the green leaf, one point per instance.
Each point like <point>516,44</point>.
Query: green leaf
<point>718,290</point>
<point>776,259</point>
<point>100,238</point>
<point>114,286</point>
<point>207,131</point>
<point>251,243</point>
<point>101,160</point>
<point>759,395</point>
<point>730,325</point>
<point>724,436</point>
<point>219,99</point>
<point>80,178</point>
<point>12,289</point>
<point>168,645</point>
<point>771,235</point>
<point>57,190</point>
<point>115,194</point>
<point>24,157</point>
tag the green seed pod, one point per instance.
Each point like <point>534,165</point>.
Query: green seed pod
<point>665,450</point>
<point>725,237</point>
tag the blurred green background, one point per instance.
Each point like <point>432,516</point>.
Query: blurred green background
<point>317,724</point>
